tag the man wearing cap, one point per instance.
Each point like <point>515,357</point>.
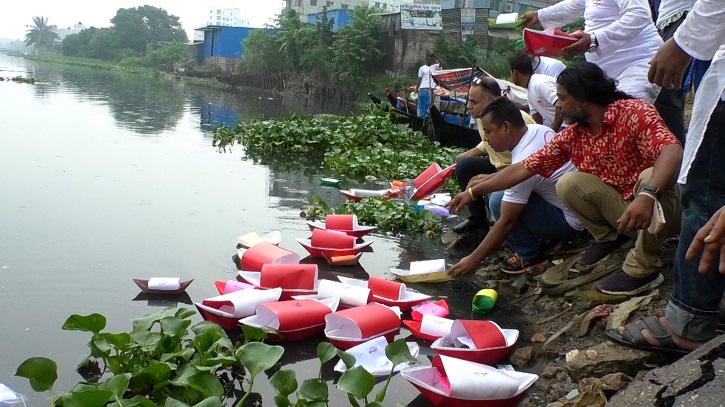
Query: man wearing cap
<point>475,164</point>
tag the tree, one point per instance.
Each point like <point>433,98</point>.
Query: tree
<point>134,27</point>
<point>357,48</point>
<point>40,36</point>
<point>291,37</point>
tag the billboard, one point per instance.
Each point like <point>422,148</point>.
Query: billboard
<point>421,15</point>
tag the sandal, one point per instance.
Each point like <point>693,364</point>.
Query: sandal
<point>633,337</point>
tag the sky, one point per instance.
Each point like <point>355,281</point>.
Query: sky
<point>16,16</point>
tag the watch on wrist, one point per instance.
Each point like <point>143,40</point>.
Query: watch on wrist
<point>651,188</point>
<point>593,44</point>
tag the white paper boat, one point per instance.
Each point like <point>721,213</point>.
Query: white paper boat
<point>227,309</point>
<point>250,239</point>
<point>461,383</point>
<point>426,271</point>
<point>293,320</point>
<point>371,356</point>
<point>388,292</point>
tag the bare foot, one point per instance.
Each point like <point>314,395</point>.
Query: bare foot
<point>681,342</point>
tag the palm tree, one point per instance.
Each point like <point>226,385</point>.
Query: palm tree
<point>40,35</point>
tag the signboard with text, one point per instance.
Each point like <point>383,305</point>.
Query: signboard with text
<point>421,16</point>
<point>468,21</point>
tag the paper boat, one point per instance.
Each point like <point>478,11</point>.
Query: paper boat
<point>388,292</point>
<point>229,286</point>
<point>430,328</point>
<point>506,20</point>
<point>371,356</point>
<point>293,320</point>
<point>427,271</point>
<point>250,239</point>
<point>253,258</point>
<point>354,326</point>
<point>227,309</point>
<point>548,43</point>
<point>431,180</point>
<point>332,244</point>
<point>330,182</point>
<point>162,285</point>
<point>358,194</point>
<point>293,279</point>
<point>478,341</point>
<point>348,260</point>
<point>437,309</point>
<point>350,295</point>
<point>460,383</point>
<point>342,223</point>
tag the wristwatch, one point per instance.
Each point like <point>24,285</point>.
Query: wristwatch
<point>651,188</point>
<point>593,45</point>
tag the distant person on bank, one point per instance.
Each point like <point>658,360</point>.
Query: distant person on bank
<point>426,85</point>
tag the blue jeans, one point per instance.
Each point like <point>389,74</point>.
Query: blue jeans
<point>693,307</point>
<point>539,221</point>
<point>424,98</point>
<point>467,168</point>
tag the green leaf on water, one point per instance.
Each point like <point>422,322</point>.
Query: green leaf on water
<point>313,390</point>
<point>42,373</point>
<point>284,381</point>
<point>326,351</point>
<point>90,398</point>
<point>89,323</point>
<point>347,358</point>
<point>398,352</point>
<point>357,381</point>
<point>117,385</point>
<point>258,357</point>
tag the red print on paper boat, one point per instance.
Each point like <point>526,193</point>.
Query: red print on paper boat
<point>332,244</point>
<point>293,279</point>
<point>162,285</point>
<point>388,292</point>
<point>478,341</point>
<point>293,320</point>
<point>354,326</point>
<point>226,310</point>
<point>455,382</point>
<point>342,223</point>
<point>548,43</point>
<point>431,180</point>
<point>261,253</point>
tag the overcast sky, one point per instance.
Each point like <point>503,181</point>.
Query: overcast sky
<point>16,15</point>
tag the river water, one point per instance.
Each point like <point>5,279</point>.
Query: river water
<point>107,176</point>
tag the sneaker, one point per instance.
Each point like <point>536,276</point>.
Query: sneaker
<point>470,225</point>
<point>620,283</point>
<point>599,250</point>
<point>515,265</point>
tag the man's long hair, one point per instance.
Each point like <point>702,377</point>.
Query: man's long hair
<point>586,82</point>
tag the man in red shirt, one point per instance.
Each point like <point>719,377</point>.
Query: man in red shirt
<point>627,160</point>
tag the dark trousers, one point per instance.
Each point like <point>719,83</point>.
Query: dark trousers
<point>670,103</point>
<point>468,168</point>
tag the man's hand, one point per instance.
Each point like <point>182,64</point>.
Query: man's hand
<point>459,202</point>
<point>466,266</point>
<point>581,46</point>
<point>478,179</point>
<point>531,17</point>
<point>667,68</point>
<point>638,215</point>
<point>712,238</point>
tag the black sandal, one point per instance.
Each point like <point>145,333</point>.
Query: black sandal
<point>633,337</point>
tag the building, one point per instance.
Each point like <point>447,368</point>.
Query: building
<point>341,17</point>
<point>306,7</point>
<point>64,32</point>
<point>228,17</point>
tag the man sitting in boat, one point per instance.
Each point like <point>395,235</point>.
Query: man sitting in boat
<point>477,163</point>
<point>541,92</point>
<point>529,215</point>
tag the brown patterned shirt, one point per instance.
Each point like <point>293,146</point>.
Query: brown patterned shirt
<point>629,141</point>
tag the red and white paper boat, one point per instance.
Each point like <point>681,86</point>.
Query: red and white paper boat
<point>332,244</point>
<point>342,223</point>
<point>430,327</point>
<point>388,292</point>
<point>227,309</point>
<point>350,295</point>
<point>347,260</point>
<point>293,279</point>
<point>250,239</point>
<point>354,326</point>
<point>293,320</point>
<point>431,180</point>
<point>548,43</point>
<point>261,253</point>
<point>437,309</point>
<point>229,286</point>
<point>357,195</point>
<point>460,383</point>
<point>371,356</point>
<point>478,341</point>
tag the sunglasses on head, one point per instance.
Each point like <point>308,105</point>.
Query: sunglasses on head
<point>478,81</point>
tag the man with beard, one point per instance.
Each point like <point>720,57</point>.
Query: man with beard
<point>627,160</point>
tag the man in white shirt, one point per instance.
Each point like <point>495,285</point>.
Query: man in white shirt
<point>541,92</point>
<point>699,284</point>
<point>426,85</point>
<point>618,35</point>
<point>528,215</point>
<point>542,65</point>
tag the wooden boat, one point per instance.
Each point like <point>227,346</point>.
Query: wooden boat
<point>449,134</point>
<point>143,284</point>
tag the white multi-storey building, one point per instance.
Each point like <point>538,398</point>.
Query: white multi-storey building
<point>231,17</point>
